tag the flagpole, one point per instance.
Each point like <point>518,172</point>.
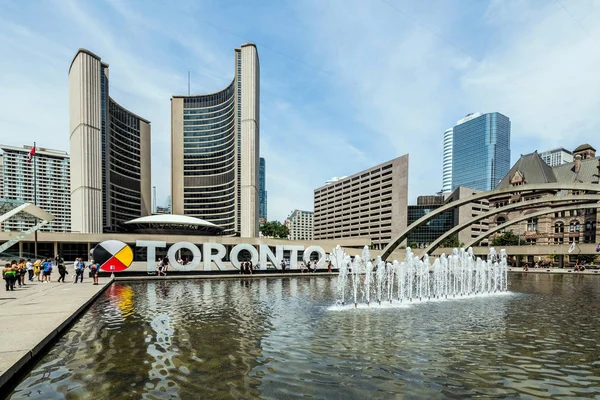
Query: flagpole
<point>35,236</point>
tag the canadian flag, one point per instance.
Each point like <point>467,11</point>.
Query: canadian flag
<point>31,154</point>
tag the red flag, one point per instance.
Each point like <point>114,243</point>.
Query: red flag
<point>31,154</point>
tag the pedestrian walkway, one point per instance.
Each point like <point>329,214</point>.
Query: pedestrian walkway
<point>34,315</point>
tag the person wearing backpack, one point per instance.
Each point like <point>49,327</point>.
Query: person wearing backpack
<point>94,269</point>
<point>79,268</point>
<point>47,270</point>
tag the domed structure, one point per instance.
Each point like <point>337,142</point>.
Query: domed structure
<point>173,224</point>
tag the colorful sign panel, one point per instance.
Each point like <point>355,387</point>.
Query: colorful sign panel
<point>113,256</point>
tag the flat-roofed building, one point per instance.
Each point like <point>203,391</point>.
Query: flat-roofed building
<point>300,224</point>
<point>110,152</point>
<point>372,203</point>
<point>51,171</point>
<point>556,157</point>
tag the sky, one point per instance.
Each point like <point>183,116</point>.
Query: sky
<point>345,84</point>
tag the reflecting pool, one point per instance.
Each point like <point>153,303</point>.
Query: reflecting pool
<point>283,338</point>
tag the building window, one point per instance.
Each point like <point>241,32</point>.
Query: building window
<point>559,227</point>
<point>574,226</point>
<point>532,225</point>
<point>531,241</point>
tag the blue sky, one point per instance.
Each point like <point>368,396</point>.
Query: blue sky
<point>345,84</point>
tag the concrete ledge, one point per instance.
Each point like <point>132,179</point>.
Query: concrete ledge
<point>192,275</point>
<point>25,304</point>
<point>554,271</point>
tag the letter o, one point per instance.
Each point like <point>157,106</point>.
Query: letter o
<point>312,249</point>
<point>172,254</point>
<point>233,256</point>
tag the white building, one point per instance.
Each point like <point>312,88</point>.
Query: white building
<point>300,224</point>
<point>556,157</point>
<point>53,185</point>
<point>447,163</point>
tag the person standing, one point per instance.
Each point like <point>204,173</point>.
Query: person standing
<point>10,276</point>
<point>282,265</point>
<point>22,272</point>
<point>29,266</point>
<point>47,270</point>
<point>79,268</point>
<point>94,269</point>
<point>37,269</point>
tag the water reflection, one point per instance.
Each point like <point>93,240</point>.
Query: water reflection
<point>278,338</point>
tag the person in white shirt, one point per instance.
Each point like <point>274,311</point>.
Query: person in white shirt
<point>29,266</point>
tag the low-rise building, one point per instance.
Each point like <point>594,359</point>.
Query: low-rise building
<point>300,225</point>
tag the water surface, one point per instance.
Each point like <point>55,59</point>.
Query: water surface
<point>281,338</point>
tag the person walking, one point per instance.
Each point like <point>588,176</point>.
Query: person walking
<point>10,276</point>
<point>47,269</point>
<point>94,269</point>
<point>79,268</point>
<point>29,267</point>
<point>62,270</point>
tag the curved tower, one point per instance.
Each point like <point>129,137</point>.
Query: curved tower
<point>215,151</point>
<point>447,164</point>
<point>110,152</point>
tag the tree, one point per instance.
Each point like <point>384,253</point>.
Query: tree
<point>413,245</point>
<point>452,242</point>
<point>508,238</point>
<point>275,229</point>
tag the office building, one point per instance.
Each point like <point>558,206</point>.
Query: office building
<point>51,171</point>
<point>447,162</point>
<point>300,225</point>
<point>371,203</point>
<point>423,235</point>
<point>556,157</point>
<point>215,151</point>
<point>480,151</point>
<point>262,191</point>
<point>110,152</point>
<point>573,226</point>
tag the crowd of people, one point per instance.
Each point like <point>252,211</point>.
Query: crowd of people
<point>14,273</point>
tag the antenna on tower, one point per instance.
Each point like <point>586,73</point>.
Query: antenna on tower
<point>189,82</point>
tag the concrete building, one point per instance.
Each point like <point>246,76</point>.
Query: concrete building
<point>110,152</point>
<point>52,176</point>
<point>300,224</point>
<point>372,203</point>
<point>480,151</point>
<point>215,151</point>
<point>557,156</point>
<point>564,227</point>
<point>447,162</point>
<point>467,212</point>
<point>262,190</point>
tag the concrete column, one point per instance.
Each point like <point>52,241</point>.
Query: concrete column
<point>561,261</point>
<point>145,170</point>
<point>20,249</point>
<point>518,258</point>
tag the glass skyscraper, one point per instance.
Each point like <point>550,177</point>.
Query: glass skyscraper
<point>480,151</point>
<point>262,190</point>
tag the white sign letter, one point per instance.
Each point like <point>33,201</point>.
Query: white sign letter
<point>312,249</point>
<point>172,254</point>
<point>151,245</point>
<point>209,257</point>
<point>233,256</point>
<point>265,252</point>
<point>294,254</point>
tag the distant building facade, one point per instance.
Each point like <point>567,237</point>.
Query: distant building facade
<point>372,203</point>
<point>447,162</point>
<point>554,228</point>
<point>262,190</point>
<point>300,225</point>
<point>215,151</point>
<point>53,188</point>
<point>556,157</point>
<point>480,151</point>
<point>110,152</point>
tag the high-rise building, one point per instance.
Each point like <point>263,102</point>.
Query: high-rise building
<point>262,213</point>
<point>47,176</point>
<point>556,157</point>
<point>370,204</point>
<point>110,152</point>
<point>480,151</point>
<point>215,151</point>
<point>300,225</point>
<point>447,162</point>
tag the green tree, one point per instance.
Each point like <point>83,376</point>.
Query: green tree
<point>508,238</point>
<point>275,229</point>
<point>452,242</point>
<point>413,245</point>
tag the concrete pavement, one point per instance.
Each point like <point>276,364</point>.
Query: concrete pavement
<point>37,313</point>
